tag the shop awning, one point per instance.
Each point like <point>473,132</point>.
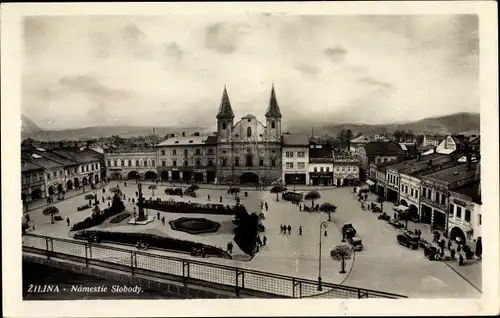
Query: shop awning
<point>401,208</point>
<point>370,182</point>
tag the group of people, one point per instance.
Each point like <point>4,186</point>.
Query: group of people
<point>162,218</point>
<point>284,229</point>
<point>263,204</point>
<point>142,245</point>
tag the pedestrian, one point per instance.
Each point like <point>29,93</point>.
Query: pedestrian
<point>261,205</point>
<point>134,209</point>
<point>265,204</point>
<point>259,241</point>
<point>289,229</point>
<point>459,248</point>
<point>461,260</point>
<point>264,239</point>
<point>158,216</point>
<point>163,220</point>
<point>281,228</point>
<point>449,245</point>
<point>129,200</point>
<point>220,199</point>
<point>208,197</point>
<point>300,207</point>
<point>452,252</point>
<point>28,218</point>
<point>395,215</point>
<point>109,204</point>
<point>125,183</point>
<point>67,220</point>
<point>102,199</point>
<point>300,230</point>
<point>230,247</point>
<point>326,233</point>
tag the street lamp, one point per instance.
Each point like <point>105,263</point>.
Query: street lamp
<point>321,226</point>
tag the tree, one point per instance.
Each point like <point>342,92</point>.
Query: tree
<point>312,195</point>
<point>340,253</point>
<point>235,191</point>
<point>247,229</point>
<point>51,210</point>
<point>397,135</point>
<point>89,197</point>
<point>117,204</point>
<point>152,187</point>
<point>277,189</point>
<point>420,139</point>
<point>348,137</point>
<point>328,208</point>
<point>381,200</point>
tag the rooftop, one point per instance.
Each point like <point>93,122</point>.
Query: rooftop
<point>383,148</point>
<point>321,154</point>
<point>184,141</point>
<point>415,162</point>
<point>456,173</point>
<point>471,190</point>
<point>295,140</point>
<point>421,172</point>
<point>131,149</point>
<point>27,166</point>
<point>361,139</point>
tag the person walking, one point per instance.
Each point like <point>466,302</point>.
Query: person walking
<point>230,248</point>
<point>261,205</point>
<point>452,252</point>
<point>289,229</point>
<point>158,216</point>
<point>281,228</point>
<point>265,204</point>
<point>208,197</point>
<point>300,207</point>
<point>300,230</point>
<point>264,240</point>
<point>220,199</point>
<point>459,248</point>
<point>449,245</point>
<point>163,220</point>
<point>67,220</point>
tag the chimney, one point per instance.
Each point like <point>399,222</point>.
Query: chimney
<point>183,134</point>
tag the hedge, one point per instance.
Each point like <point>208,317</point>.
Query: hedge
<point>185,207</point>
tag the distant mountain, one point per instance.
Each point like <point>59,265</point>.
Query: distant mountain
<point>28,126</point>
<point>96,132</point>
<point>459,123</point>
<point>455,123</point>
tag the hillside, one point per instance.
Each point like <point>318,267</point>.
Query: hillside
<point>467,123</point>
<point>28,126</point>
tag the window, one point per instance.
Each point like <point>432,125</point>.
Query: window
<point>424,192</point>
<point>163,152</point>
<point>429,194</point>
<point>130,163</point>
<point>479,219</point>
<point>109,164</point>
<point>289,154</point>
<point>210,151</point>
<point>289,165</point>
<point>385,159</point>
<point>40,176</point>
<point>145,163</point>
<point>236,162</point>
<point>301,165</point>
<point>249,132</point>
<point>186,163</point>
<point>443,199</point>
<point>198,152</point>
<point>327,169</point>
<point>315,169</point>
<point>115,163</point>
<point>337,169</point>
<point>224,126</point>
<point>198,163</point>
<point>416,193</point>
<point>137,163</point>
<point>467,215</point>
<point>122,162</point>
<point>451,207</point>
<point>402,187</point>
<point>412,192</point>
<point>224,162</point>
<point>273,162</point>
<point>185,152</point>
<point>320,169</point>
<point>273,125</point>
<point>174,152</point>
<point>153,163</point>
<point>343,169</point>
<point>174,163</point>
<point>48,176</point>
<point>459,212</point>
<point>163,163</point>
<point>301,154</point>
<point>210,162</point>
<point>249,160</point>
<point>261,162</point>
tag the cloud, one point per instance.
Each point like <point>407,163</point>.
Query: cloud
<point>336,53</point>
<point>374,82</point>
<point>307,69</point>
<point>174,51</point>
<point>89,85</point>
<point>221,37</point>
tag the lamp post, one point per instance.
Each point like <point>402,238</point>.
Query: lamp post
<point>321,226</point>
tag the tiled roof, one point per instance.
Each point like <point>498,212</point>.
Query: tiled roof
<point>211,140</point>
<point>27,166</point>
<point>471,190</point>
<point>295,140</point>
<point>184,141</point>
<point>383,148</point>
<point>125,149</point>
<point>408,163</point>
<point>273,109</point>
<point>428,170</point>
<point>455,173</point>
<point>361,139</point>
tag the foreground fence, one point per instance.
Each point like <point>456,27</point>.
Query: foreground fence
<point>191,271</point>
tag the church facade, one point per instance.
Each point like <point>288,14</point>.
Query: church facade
<point>248,151</point>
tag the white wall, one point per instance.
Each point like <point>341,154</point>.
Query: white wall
<point>295,160</point>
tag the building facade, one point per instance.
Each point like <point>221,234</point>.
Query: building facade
<point>32,181</point>
<point>465,212</point>
<point>187,159</point>
<point>248,151</point>
<point>295,159</point>
<point>320,164</point>
<point>131,163</point>
<point>432,140</point>
<point>345,168</point>
<point>379,152</point>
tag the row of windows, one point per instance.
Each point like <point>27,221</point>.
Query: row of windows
<point>249,130</point>
<point>248,162</point>
<point>438,198</point>
<point>290,154</point>
<point>128,163</point>
<point>300,165</point>
<point>392,179</point>
<point>33,178</point>
<point>186,163</point>
<point>458,213</point>
<point>413,192</point>
<point>348,169</point>
<point>197,152</point>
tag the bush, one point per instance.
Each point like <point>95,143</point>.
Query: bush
<point>117,207</point>
<point>153,241</point>
<point>120,217</point>
<point>247,230</point>
<point>58,218</point>
<point>194,225</point>
<point>83,207</point>
<point>185,207</point>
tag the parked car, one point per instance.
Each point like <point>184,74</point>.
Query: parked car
<point>384,216</point>
<point>407,241</point>
<point>356,243</point>
<point>190,192</point>
<point>171,191</point>
<point>396,224</point>
<point>292,196</point>
<point>348,230</point>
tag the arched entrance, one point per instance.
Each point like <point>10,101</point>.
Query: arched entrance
<point>403,202</point>
<point>69,185</point>
<point>36,194</point>
<point>249,177</point>
<point>85,181</point>
<point>457,232</point>
<point>150,175</point>
<point>96,178</point>
<point>164,175</point>
<point>76,183</point>
<point>186,176</point>
<point>413,211</point>
<point>133,175</point>
<point>116,176</point>
<point>176,176</point>
<point>51,190</point>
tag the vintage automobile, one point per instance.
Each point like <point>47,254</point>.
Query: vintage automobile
<point>407,241</point>
<point>348,231</point>
<point>396,224</point>
<point>356,243</point>
<point>292,196</point>
<point>171,191</point>
<point>190,192</point>
<point>431,252</point>
<point>384,216</point>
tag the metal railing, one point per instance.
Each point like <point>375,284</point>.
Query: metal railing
<point>190,271</point>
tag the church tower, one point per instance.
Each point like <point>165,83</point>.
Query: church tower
<point>225,117</point>
<point>273,118</point>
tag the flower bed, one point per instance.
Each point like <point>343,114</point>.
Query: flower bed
<point>120,217</point>
<point>194,225</point>
<point>154,241</point>
<point>185,207</point>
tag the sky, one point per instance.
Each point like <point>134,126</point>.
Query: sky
<point>170,71</point>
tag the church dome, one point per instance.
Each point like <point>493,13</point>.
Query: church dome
<point>249,116</point>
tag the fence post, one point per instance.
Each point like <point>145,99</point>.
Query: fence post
<point>237,279</point>
<point>185,273</point>
<point>132,262</point>
<point>86,254</point>
<point>293,287</point>
<point>90,251</point>
<point>47,245</point>
<point>51,244</point>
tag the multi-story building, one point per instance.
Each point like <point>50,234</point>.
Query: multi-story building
<point>82,166</point>
<point>465,212</point>
<point>357,142</point>
<point>432,140</point>
<point>345,167</point>
<point>435,191</point>
<point>187,159</point>
<point>475,144</point>
<point>248,151</point>
<point>32,181</point>
<point>451,144</point>
<point>295,158</point>
<point>320,164</point>
<point>378,171</point>
<point>379,152</point>
<point>53,171</point>
<point>131,163</point>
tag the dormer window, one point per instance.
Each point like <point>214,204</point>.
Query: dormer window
<point>249,132</point>
<point>224,126</point>
<point>273,125</point>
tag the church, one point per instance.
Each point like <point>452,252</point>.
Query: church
<point>248,152</point>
